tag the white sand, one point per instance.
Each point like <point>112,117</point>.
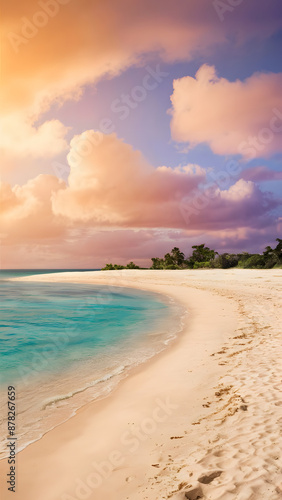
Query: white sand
<point>212,402</point>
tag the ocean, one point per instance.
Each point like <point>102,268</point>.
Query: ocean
<point>64,345</point>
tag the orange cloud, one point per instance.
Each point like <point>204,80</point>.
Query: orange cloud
<point>26,211</point>
<point>24,139</point>
<point>117,206</point>
<point>241,117</point>
<point>52,48</point>
<point>114,185</point>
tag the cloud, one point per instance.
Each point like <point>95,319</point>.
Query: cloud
<point>114,186</point>
<point>261,174</point>
<point>96,248</point>
<point>52,48</point>
<point>240,117</point>
<point>117,206</point>
<point>24,139</point>
<point>26,211</point>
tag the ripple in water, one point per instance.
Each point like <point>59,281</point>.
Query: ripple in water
<point>63,345</point>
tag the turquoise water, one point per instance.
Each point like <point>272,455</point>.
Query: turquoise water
<point>33,318</point>
<point>62,324</point>
<point>63,344</point>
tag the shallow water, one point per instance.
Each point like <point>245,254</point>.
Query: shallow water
<point>63,345</point>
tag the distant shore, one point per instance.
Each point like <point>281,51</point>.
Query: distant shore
<point>204,414</point>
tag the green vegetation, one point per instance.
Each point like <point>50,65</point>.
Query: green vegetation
<point>112,267</point>
<point>173,260</point>
<point>203,257</point>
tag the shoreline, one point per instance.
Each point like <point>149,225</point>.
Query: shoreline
<point>93,386</point>
<point>166,439</point>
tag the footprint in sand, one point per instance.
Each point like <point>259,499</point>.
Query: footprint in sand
<point>194,493</point>
<point>208,478</point>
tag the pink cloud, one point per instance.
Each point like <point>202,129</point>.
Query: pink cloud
<point>106,37</point>
<point>114,185</point>
<point>261,174</point>
<point>240,117</point>
<point>95,249</point>
<point>117,206</point>
<point>26,211</point>
<point>103,39</point>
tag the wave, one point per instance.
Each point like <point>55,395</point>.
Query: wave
<point>63,397</point>
<point>55,406</point>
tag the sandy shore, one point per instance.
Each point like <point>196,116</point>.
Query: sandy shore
<point>205,414</point>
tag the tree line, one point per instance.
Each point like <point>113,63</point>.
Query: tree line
<point>204,257</point>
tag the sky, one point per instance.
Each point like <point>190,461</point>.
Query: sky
<point>128,128</point>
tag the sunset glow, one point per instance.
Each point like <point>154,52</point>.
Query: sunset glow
<point>131,127</point>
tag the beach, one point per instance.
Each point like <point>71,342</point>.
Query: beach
<point>202,419</point>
